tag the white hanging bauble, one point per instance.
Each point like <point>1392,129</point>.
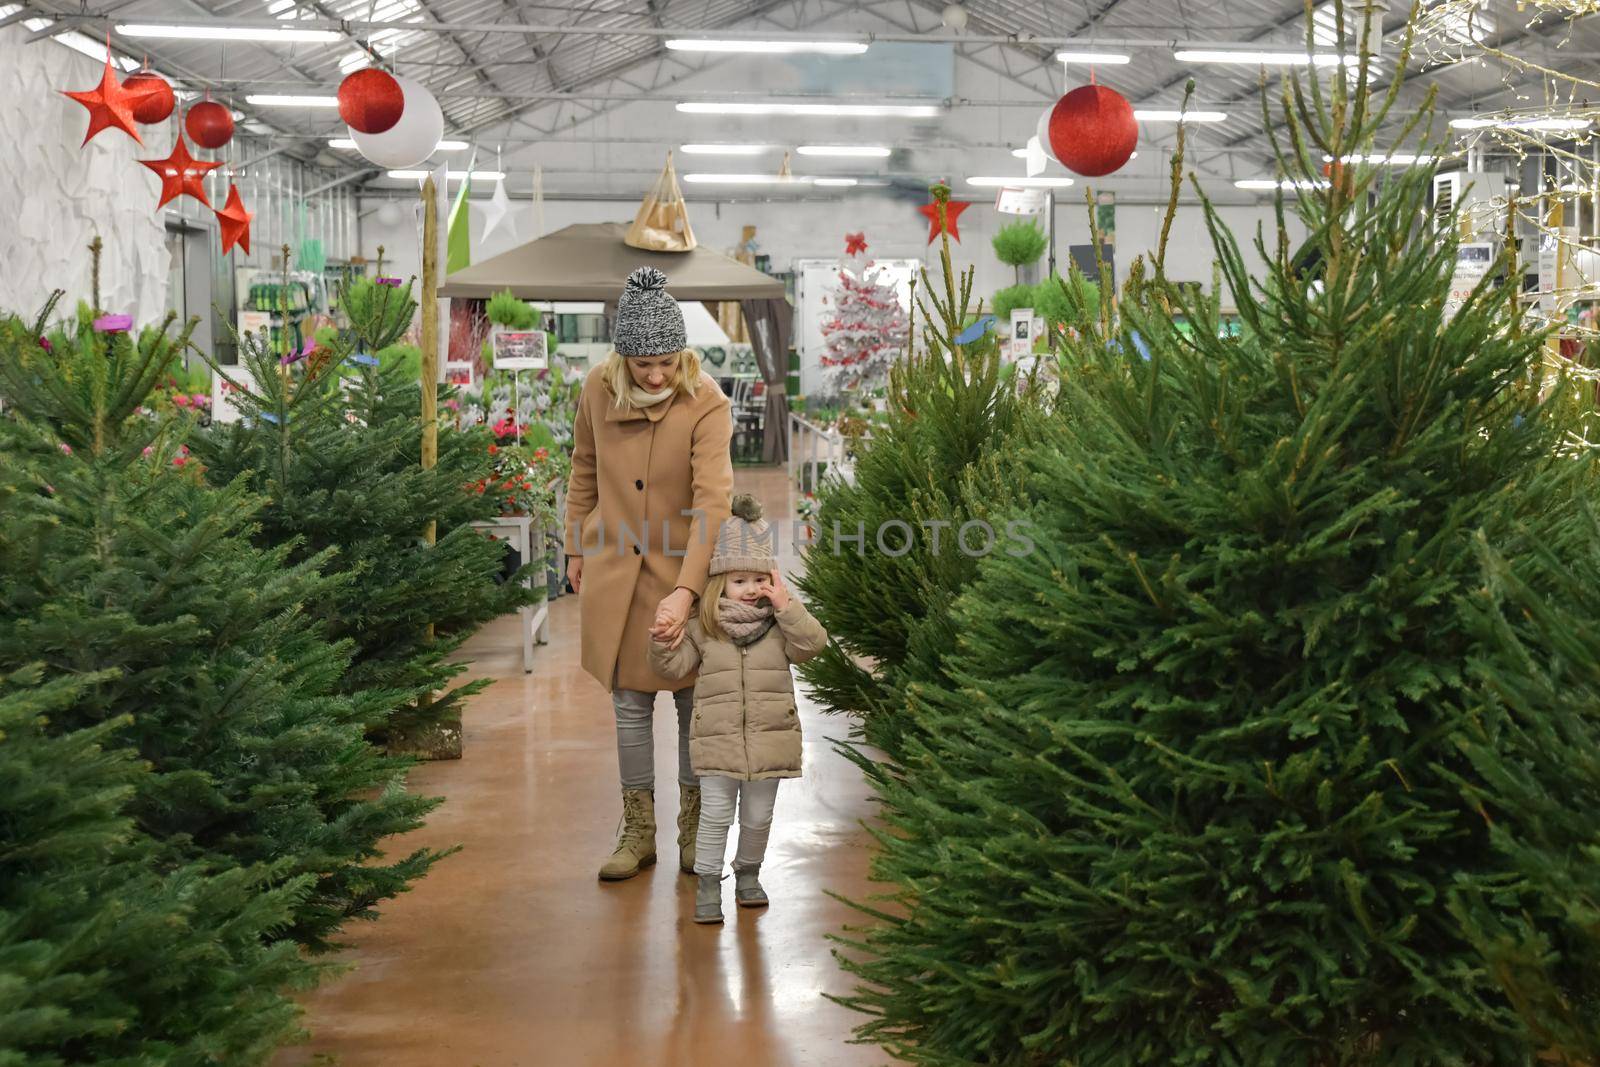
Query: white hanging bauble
<point>412,139</point>
<point>954,17</point>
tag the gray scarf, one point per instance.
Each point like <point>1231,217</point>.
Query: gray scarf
<point>743,623</point>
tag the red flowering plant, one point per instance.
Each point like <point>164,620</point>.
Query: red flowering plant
<point>524,474</point>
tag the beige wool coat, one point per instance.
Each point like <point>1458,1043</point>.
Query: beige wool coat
<point>639,476</point>
<point>745,725</point>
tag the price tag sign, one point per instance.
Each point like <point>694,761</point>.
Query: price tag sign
<point>1013,200</point>
<point>521,350</point>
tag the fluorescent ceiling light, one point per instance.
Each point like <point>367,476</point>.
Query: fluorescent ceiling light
<point>725,149</point>
<point>1272,183</point>
<point>443,146</point>
<point>1180,116</point>
<point>1537,122</point>
<point>987,182</point>
<point>741,179</point>
<point>1022,153</point>
<point>1263,59</point>
<point>1398,159</point>
<point>1107,58</point>
<point>95,50</point>
<point>281,100</point>
<point>833,181</point>
<point>911,111</point>
<point>418,175</point>
<point>832,48</point>
<point>225,33</point>
<point>872,150</point>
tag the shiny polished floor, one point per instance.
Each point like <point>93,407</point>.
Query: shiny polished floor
<point>512,954</point>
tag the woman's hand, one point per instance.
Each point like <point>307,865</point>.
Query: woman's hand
<point>672,615</point>
<point>775,591</point>
<point>575,573</point>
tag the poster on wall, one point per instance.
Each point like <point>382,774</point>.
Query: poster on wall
<point>1015,200</point>
<point>521,350</point>
<point>223,409</point>
<point>1023,332</point>
<point>1473,261</point>
<point>1105,216</point>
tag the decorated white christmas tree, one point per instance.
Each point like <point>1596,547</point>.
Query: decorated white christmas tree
<point>866,328</point>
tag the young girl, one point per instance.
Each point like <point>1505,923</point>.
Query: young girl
<point>745,734</point>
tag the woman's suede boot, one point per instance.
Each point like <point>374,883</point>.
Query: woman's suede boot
<point>636,842</point>
<point>688,825</point>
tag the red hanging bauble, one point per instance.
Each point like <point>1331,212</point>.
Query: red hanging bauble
<point>209,124</point>
<point>1093,131</point>
<point>371,101</point>
<point>158,100</point>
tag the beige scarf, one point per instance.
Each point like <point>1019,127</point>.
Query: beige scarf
<point>641,399</point>
<point>743,623</point>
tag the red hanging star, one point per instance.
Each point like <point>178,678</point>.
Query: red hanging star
<point>111,104</point>
<point>854,243</point>
<point>234,222</point>
<point>180,174</point>
<point>952,212</point>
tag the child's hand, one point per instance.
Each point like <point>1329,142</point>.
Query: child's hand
<point>776,592</point>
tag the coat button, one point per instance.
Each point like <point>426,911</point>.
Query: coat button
<point>635,550</point>
<point>638,484</point>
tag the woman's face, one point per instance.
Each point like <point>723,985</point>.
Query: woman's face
<point>653,373</point>
<point>746,586</point>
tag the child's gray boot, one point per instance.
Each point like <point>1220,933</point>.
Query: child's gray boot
<point>708,899</point>
<point>747,889</point>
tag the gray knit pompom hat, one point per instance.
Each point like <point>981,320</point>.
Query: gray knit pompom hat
<point>745,542</point>
<point>649,321</point>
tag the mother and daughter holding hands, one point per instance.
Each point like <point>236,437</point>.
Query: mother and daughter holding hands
<point>702,613</point>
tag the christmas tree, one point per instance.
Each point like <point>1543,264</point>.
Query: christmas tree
<point>1281,747</point>
<point>949,408</point>
<point>333,441</point>
<point>218,678</point>
<point>865,333</point>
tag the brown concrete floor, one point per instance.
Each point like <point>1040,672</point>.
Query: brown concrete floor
<point>512,954</point>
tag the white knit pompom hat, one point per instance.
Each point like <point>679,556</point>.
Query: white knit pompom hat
<point>745,542</point>
<point>649,320</point>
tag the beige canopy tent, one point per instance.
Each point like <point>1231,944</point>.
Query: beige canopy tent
<point>589,262</point>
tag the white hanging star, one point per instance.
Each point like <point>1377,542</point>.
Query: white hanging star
<point>498,211</point>
<point>1036,157</point>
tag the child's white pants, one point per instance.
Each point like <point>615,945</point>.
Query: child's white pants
<point>718,797</point>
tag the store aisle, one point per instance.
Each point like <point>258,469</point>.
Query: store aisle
<point>512,954</point>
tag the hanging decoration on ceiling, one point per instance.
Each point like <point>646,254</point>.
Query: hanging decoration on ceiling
<point>371,101</point>
<point>110,104</point>
<point>210,125</point>
<point>855,244</point>
<point>1093,131</point>
<point>1041,131</point>
<point>413,137</point>
<point>233,222</point>
<point>181,174</point>
<point>662,221</point>
<point>943,216</point>
<point>158,101</point>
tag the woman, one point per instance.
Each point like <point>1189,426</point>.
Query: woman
<point>651,483</point>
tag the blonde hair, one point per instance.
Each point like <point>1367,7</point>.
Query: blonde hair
<point>710,621</point>
<point>614,372</point>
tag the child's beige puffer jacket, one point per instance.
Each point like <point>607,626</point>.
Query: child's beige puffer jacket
<point>745,725</point>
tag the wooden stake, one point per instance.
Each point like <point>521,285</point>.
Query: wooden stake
<point>430,332</point>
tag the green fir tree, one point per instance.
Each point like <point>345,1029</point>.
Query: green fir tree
<point>882,597</point>
<point>333,442</point>
<point>1282,747</point>
<point>226,687</point>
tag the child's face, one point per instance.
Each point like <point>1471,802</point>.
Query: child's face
<point>746,586</point>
